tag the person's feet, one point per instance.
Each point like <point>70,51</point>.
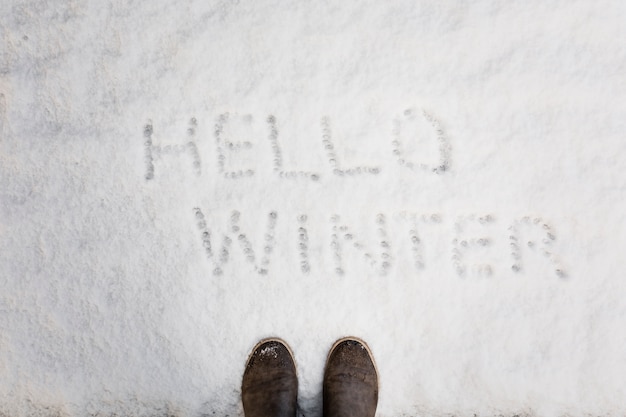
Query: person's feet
<point>350,380</point>
<point>270,384</point>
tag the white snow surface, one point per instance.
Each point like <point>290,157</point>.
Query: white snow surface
<point>443,179</point>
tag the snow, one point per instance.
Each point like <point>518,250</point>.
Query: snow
<point>445,180</point>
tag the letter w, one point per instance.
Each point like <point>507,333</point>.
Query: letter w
<point>220,258</point>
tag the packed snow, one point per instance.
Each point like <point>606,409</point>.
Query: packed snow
<point>443,179</point>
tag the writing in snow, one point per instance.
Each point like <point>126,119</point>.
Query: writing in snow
<point>226,146</point>
<point>529,238</point>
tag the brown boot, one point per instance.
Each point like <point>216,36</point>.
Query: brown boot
<point>350,380</point>
<point>270,384</point>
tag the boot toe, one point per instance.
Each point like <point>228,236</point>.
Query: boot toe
<point>272,353</point>
<point>350,381</point>
<point>270,383</point>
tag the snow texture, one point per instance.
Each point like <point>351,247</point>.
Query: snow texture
<point>444,179</point>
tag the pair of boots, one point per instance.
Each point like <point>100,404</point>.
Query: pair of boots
<point>270,382</point>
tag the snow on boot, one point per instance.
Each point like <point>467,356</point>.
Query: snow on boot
<point>270,384</point>
<point>350,380</point>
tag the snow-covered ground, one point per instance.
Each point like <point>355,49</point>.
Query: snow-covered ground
<point>444,179</point>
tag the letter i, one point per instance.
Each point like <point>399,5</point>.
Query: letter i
<point>303,244</point>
